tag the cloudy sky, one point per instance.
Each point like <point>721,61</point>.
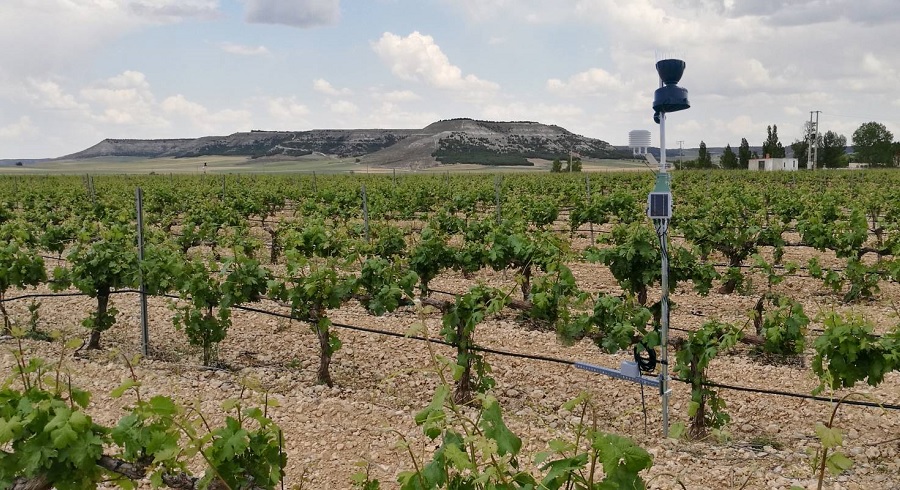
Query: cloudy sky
<point>73,72</point>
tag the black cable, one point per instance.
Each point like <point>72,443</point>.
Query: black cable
<point>535,357</point>
<point>572,363</point>
<point>41,295</point>
<point>645,364</point>
<point>886,406</point>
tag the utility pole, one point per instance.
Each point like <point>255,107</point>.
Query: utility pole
<point>680,151</point>
<point>812,150</point>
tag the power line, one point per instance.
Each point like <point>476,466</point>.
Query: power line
<point>859,118</point>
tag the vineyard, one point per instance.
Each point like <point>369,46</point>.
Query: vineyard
<point>418,331</point>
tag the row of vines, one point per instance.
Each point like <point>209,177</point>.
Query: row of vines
<point>314,244</point>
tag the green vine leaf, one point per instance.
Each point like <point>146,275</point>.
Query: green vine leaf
<point>494,428</point>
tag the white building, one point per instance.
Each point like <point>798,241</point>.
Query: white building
<point>773,164</point>
<point>857,165</point>
<point>639,141</point>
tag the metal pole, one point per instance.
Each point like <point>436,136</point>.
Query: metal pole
<point>497,196</point>
<point>587,189</point>
<point>223,187</point>
<point>394,178</point>
<point>664,283</point>
<point>365,212</point>
<point>315,187</point>
<point>662,143</point>
<point>145,328</point>
<point>664,329</point>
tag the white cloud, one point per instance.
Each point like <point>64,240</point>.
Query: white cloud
<point>418,58</point>
<point>325,87</point>
<point>343,107</point>
<point>526,11</point>
<point>389,115</point>
<point>174,10</point>
<point>755,75</point>
<point>541,112</point>
<point>47,94</point>
<point>286,109</point>
<point>809,12</point>
<point>481,9</point>
<point>296,13</point>
<point>225,121</point>
<point>20,129</point>
<point>592,82</point>
<point>401,96</point>
<point>750,64</point>
<point>45,36</point>
<point>244,50</point>
<point>124,99</point>
<point>128,101</point>
<point>742,126</point>
<point>42,36</point>
<point>873,65</point>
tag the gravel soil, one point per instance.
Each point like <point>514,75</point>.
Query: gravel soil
<point>381,382</point>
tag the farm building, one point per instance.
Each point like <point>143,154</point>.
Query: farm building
<point>773,164</point>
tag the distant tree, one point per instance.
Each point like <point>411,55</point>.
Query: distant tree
<point>754,156</point>
<point>704,159</point>
<point>556,166</point>
<point>896,150</point>
<point>872,143</point>
<point>772,147</point>
<point>729,160</point>
<point>576,165</point>
<point>832,150</point>
<point>798,150</point>
<point>744,153</point>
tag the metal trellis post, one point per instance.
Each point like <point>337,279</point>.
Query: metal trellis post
<point>145,328</point>
<point>365,209</point>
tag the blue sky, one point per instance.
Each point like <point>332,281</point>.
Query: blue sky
<point>73,72</point>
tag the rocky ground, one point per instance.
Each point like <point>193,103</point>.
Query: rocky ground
<point>381,382</point>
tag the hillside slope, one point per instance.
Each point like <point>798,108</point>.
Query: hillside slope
<point>449,141</point>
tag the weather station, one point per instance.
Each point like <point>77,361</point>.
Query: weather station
<point>669,97</point>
